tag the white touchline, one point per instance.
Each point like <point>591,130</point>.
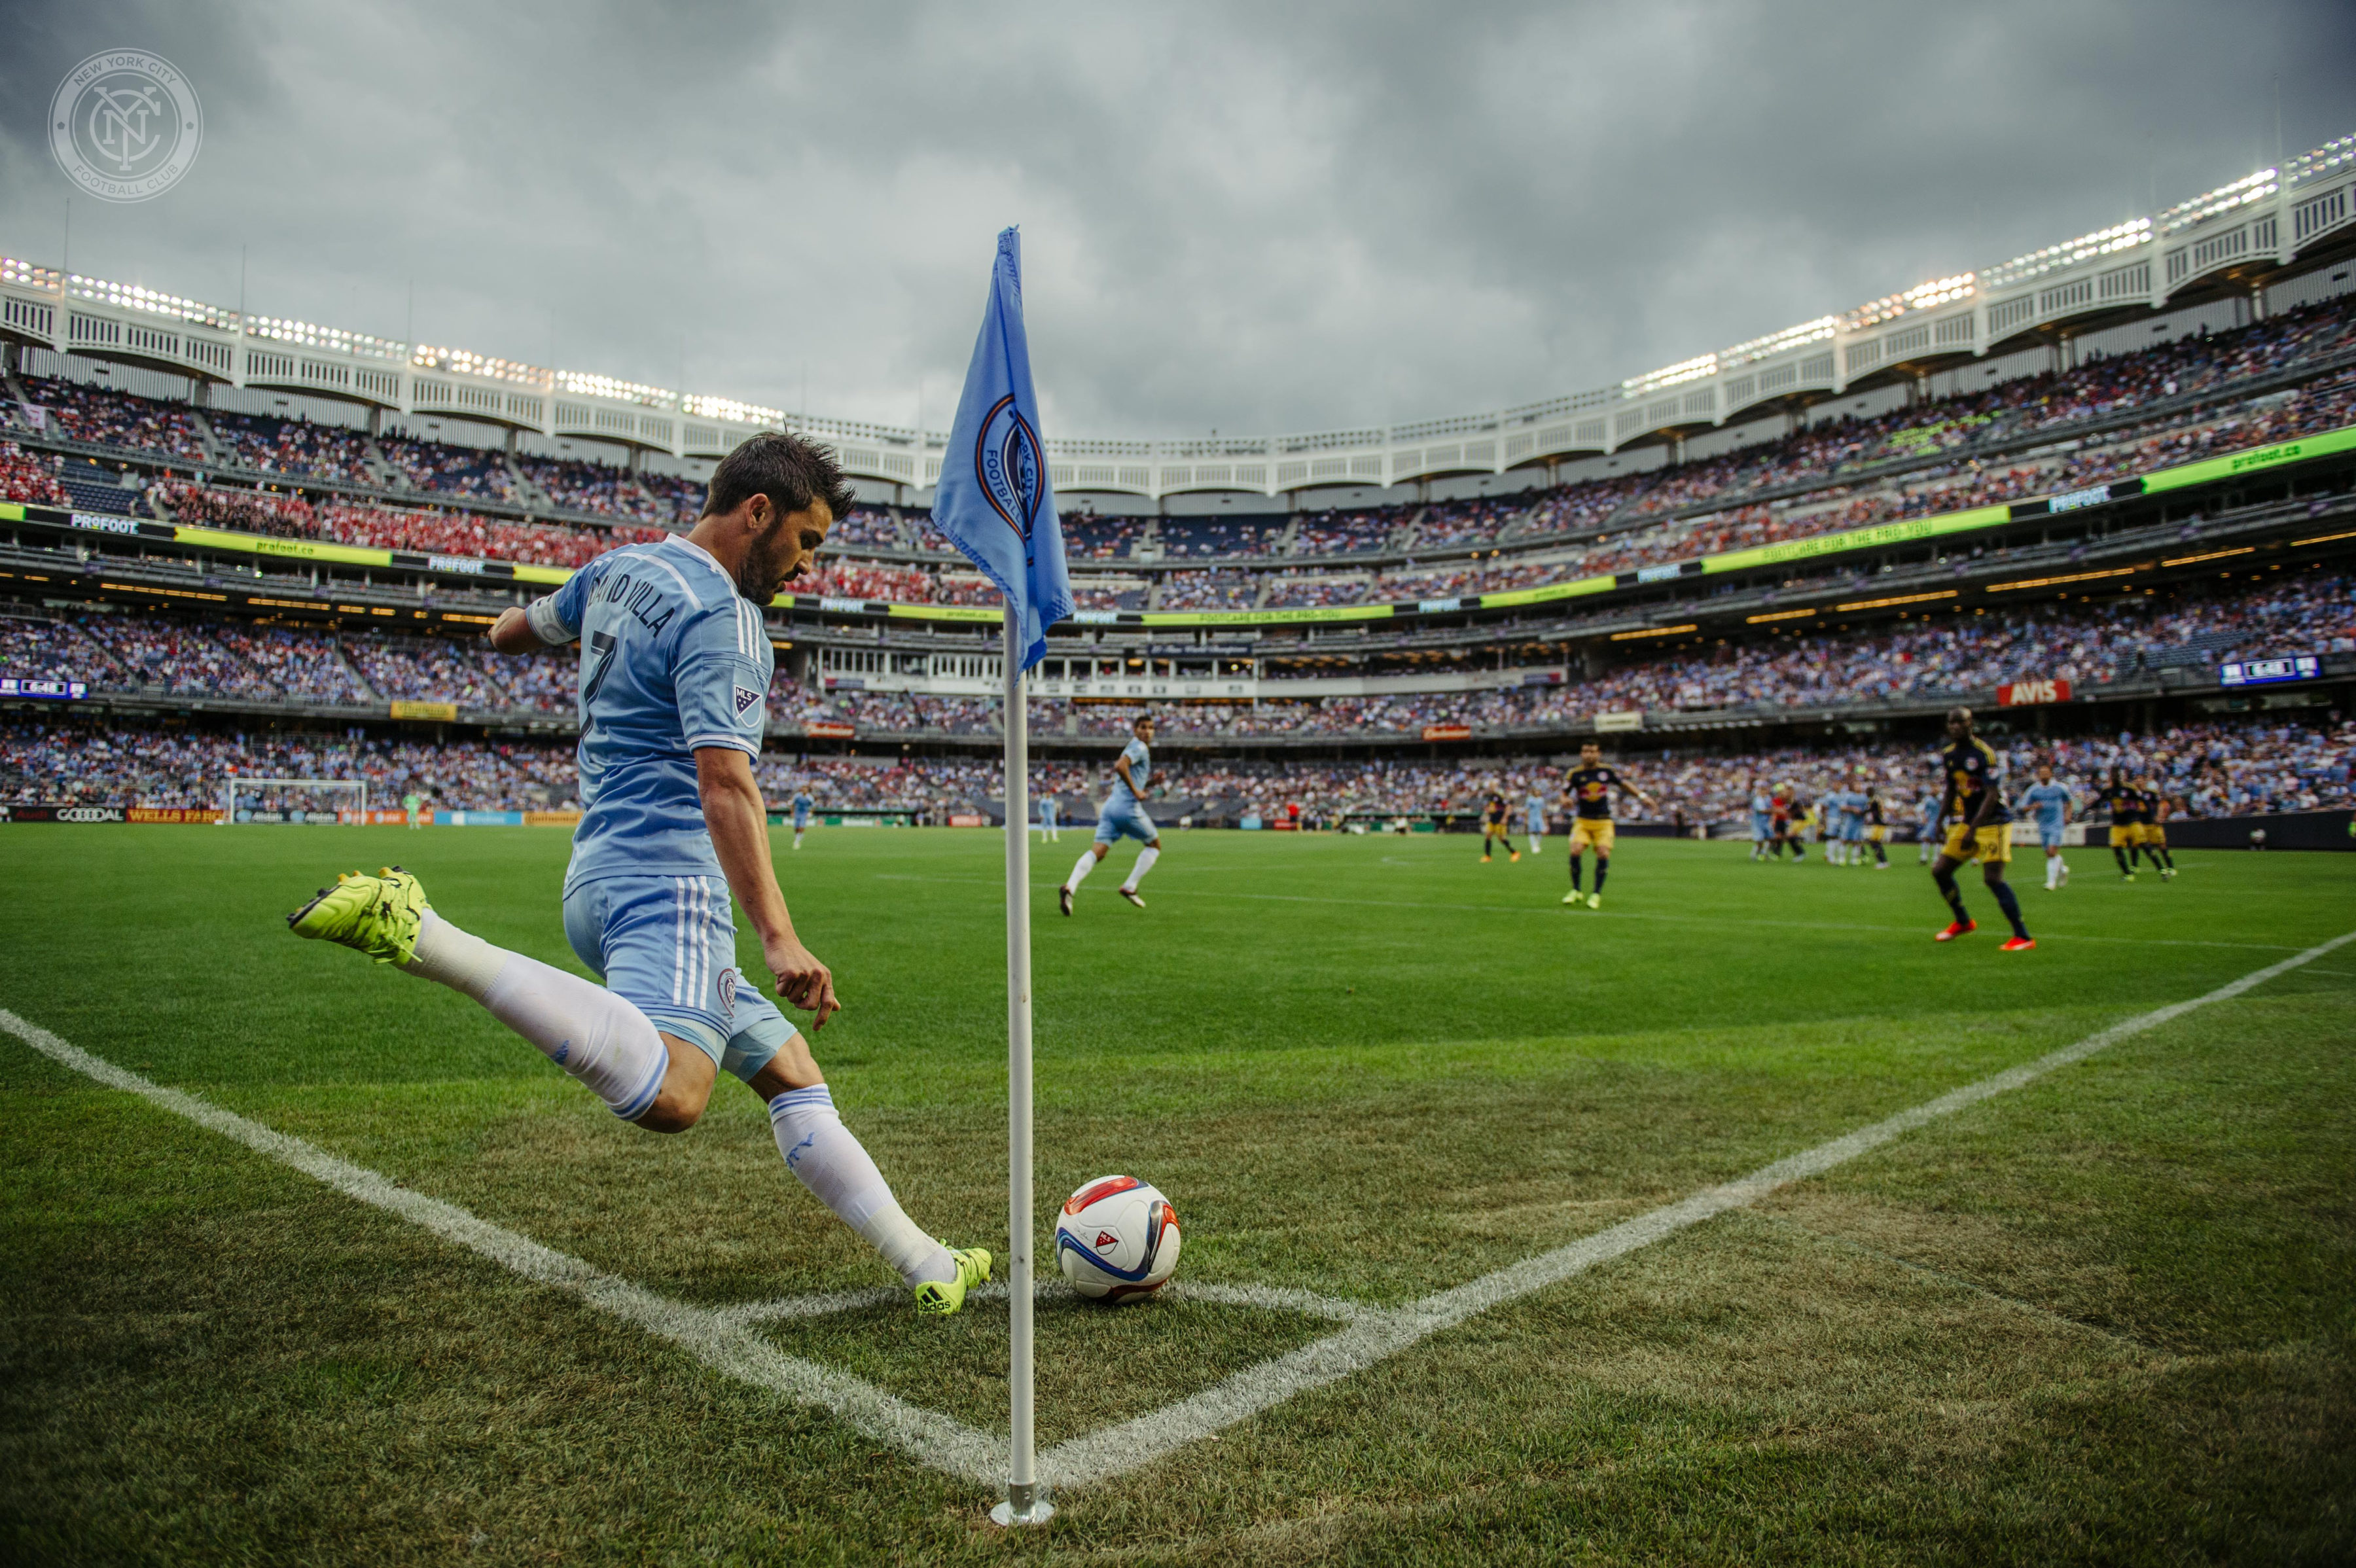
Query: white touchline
<point>712,1336</point>
<point>723,1337</point>
<point>1116,1449</point>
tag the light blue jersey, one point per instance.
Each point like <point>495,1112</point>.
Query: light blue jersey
<point>1927,814</point>
<point>1762,808</point>
<point>2052,805</point>
<point>1141,768</point>
<point>1852,813</point>
<point>673,660</point>
<point>1534,812</point>
<point>802,804</point>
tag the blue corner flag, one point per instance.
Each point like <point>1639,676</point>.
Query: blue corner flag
<point>994,500</point>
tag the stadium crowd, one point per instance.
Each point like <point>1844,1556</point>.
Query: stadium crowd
<point>2190,380</point>
<point>2204,769</point>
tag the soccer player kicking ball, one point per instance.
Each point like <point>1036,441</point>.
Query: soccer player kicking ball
<point>1589,789</point>
<point>675,666</point>
<point>2050,803</point>
<point>1123,816</point>
<point>1982,830</point>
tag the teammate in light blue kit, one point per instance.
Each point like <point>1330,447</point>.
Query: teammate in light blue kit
<point>1123,816</point>
<point>1927,825</point>
<point>1050,828</point>
<point>1762,820</point>
<point>674,678</point>
<point>802,804</point>
<point>1534,818</point>
<point>1852,803</point>
<point>2050,803</point>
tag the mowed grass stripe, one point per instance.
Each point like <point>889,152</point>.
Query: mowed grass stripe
<point>1117,1450</point>
<point>723,1340</point>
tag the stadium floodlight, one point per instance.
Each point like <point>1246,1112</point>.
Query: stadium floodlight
<point>1693,369</point>
<point>2224,199</point>
<point>278,800</point>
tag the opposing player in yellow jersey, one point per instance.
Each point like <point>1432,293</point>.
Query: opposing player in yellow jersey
<point>1972,799</point>
<point>2152,833</point>
<point>1589,789</point>
<point>1495,830</point>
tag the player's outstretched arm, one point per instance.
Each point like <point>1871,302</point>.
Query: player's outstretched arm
<point>512,632</point>
<point>739,825</point>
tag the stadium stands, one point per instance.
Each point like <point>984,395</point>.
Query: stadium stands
<point>294,446</point>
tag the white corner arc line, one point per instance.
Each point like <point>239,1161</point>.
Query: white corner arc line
<point>723,1339</point>
<point>1115,1450</point>
<point>727,1345</point>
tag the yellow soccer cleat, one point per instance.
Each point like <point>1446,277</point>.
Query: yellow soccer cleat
<point>1595,900</point>
<point>945,1296</point>
<point>380,915</point>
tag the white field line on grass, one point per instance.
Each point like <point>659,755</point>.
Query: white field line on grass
<point>727,1346</point>
<point>1166,892</point>
<point>723,1338</point>
<point>1124,1447</point>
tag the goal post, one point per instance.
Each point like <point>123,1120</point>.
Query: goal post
<point>276,801</point>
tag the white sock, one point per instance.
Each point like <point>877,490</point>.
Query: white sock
<point>826,1158</point>
<point>601,1039</point>
<point>1534,845</point>
<point>1145,859</point>
<point>1080,872</point>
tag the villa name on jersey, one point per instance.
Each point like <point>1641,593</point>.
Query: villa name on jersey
<point>638,597</point>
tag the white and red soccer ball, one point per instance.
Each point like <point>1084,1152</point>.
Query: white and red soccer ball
<point>1116,1240</point>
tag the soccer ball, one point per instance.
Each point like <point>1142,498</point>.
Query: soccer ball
<point>1116,1240</point>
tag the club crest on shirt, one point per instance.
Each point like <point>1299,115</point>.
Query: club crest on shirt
<point>727,993</point>
<point>748,700</point>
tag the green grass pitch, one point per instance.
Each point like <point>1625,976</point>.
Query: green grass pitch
<point>2105,1318</point>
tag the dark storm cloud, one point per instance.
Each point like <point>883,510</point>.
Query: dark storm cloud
<point>1245,217</point>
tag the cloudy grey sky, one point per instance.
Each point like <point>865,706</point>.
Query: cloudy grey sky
<point>1239,217</point>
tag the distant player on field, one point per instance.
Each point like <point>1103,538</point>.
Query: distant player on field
<point>1123,816</point>
<point>2049,802</point>
<point>1877,827</point>
<point>802,804</point>
<point>1589,789</point>
<point>1495,830</point>
<point>1929,826</point>
<point>1534,810</point>
<point>2126,807</point>
<point>1784,810</point>
<point>1050,828</point>
<point>674,670</point>
<point>1763,821</point>
<point>1972,787</point>
<point>2153,837</point>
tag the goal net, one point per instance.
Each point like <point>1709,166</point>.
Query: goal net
<point>298,800</point>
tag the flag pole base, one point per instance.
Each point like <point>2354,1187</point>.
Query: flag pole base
<point>1025,1504</point>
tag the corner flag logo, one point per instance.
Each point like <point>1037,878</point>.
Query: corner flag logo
<point>125,125</point>
<point>1006,461</point>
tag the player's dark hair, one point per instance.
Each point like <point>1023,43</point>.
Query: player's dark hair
<point>790,471</point>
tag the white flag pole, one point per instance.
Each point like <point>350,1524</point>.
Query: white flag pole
<point>1023,1504</point>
